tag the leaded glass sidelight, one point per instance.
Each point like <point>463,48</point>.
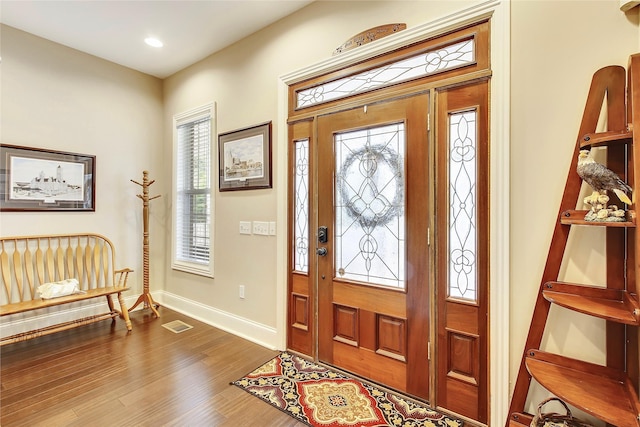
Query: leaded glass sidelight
<point>369,205</point>
<point>426,63</point>
<point>463,220</point>
<point>301,207</point>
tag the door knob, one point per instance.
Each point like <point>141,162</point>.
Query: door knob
<point>321,251</point>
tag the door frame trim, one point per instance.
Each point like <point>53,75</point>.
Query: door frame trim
<point>499,131</point>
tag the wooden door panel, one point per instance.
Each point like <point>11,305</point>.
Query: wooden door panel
<point>366,363</point>
<point>387,301</point>
<point>300,315</point>
<point>392,337</point>
<point>373,329</point>
<point>346,325</point>
<point>462,275</point>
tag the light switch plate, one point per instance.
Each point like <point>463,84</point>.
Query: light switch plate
<point>261,227</point>
<point>245,227</point>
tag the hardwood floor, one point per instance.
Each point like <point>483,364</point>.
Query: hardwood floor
<point>98,375</point>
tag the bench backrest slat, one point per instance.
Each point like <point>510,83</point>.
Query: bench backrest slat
<point>39,263</point>
<point>51,272</point>
<point>105,272</point>
<point>60,261</point>
<point>69,257</point>
<point>79,263</point>
<point>30,261</point>
<point>6,274</point>
<point>87,260</point>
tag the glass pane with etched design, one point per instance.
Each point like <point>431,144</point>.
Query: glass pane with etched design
<point>301,207</point>
<point>463,222</point>
<point>426,63</point>
<point>369,205</point>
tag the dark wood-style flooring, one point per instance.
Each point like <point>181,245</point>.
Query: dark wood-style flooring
<point>98,375</point>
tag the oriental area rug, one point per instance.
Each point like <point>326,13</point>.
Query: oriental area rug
<point>317,396</point>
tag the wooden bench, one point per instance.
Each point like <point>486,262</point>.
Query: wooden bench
<point>27,262</point>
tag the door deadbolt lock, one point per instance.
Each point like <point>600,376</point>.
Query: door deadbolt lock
<point>323,234</point>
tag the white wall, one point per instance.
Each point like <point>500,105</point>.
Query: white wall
<point>57,98</point>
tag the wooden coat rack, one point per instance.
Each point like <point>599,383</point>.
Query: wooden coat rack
<point>146,297</point>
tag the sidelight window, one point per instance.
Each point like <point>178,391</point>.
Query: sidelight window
<point>301,207</point>
<point>463,223</point>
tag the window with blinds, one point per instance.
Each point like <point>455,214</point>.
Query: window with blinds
<point>192,225</point>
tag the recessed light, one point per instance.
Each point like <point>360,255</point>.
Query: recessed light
<point>152,41</point>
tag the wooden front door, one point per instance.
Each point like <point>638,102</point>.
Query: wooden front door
<point>373,264</point>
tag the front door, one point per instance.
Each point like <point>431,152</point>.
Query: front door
<point>373,262</point>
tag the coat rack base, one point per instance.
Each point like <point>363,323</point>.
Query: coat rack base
<point>148,302</point>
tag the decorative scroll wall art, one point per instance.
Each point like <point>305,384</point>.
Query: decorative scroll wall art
<point>372,34</point>
<point>35,179</point>
<point>245,158</point>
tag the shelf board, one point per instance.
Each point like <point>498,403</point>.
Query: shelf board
<point>609,304</point>
<point>576,217</point>
<point>518,419</point>
<point>606,138</point>
<point>603,392</point>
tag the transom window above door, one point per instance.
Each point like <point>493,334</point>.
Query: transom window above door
<point>423,64</point>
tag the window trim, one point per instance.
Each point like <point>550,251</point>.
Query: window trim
<point>207,110</point>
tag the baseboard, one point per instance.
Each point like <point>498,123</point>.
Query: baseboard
<point>258,333</point>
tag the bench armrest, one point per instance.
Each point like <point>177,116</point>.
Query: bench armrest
<point>123,275</point>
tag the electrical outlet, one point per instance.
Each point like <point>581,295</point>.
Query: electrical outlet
<point>241,292</point>
<point>272,228</point>
<point>245,227</point>
<point>261,227</point>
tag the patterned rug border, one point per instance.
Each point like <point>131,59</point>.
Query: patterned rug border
<point>265,400</point>
<point>388,397</point>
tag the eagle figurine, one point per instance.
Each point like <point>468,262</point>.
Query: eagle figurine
<point>601,178</point>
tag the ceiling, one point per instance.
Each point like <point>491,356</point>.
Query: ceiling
<point>115,30</point>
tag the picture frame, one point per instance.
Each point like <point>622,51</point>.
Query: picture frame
<point>37,179</point>
<point>245,158</point>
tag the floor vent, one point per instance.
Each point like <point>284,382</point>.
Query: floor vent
<point>177,326</point>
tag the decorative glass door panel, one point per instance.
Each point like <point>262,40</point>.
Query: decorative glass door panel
<point>369,205</point>
<point>463,217</point>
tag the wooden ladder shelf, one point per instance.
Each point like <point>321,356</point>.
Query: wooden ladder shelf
<point>609,392</point>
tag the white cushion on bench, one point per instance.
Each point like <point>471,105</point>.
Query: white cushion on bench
<point>59,289</point>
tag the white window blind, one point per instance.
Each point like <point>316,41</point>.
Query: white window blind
<point>192,182</point>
